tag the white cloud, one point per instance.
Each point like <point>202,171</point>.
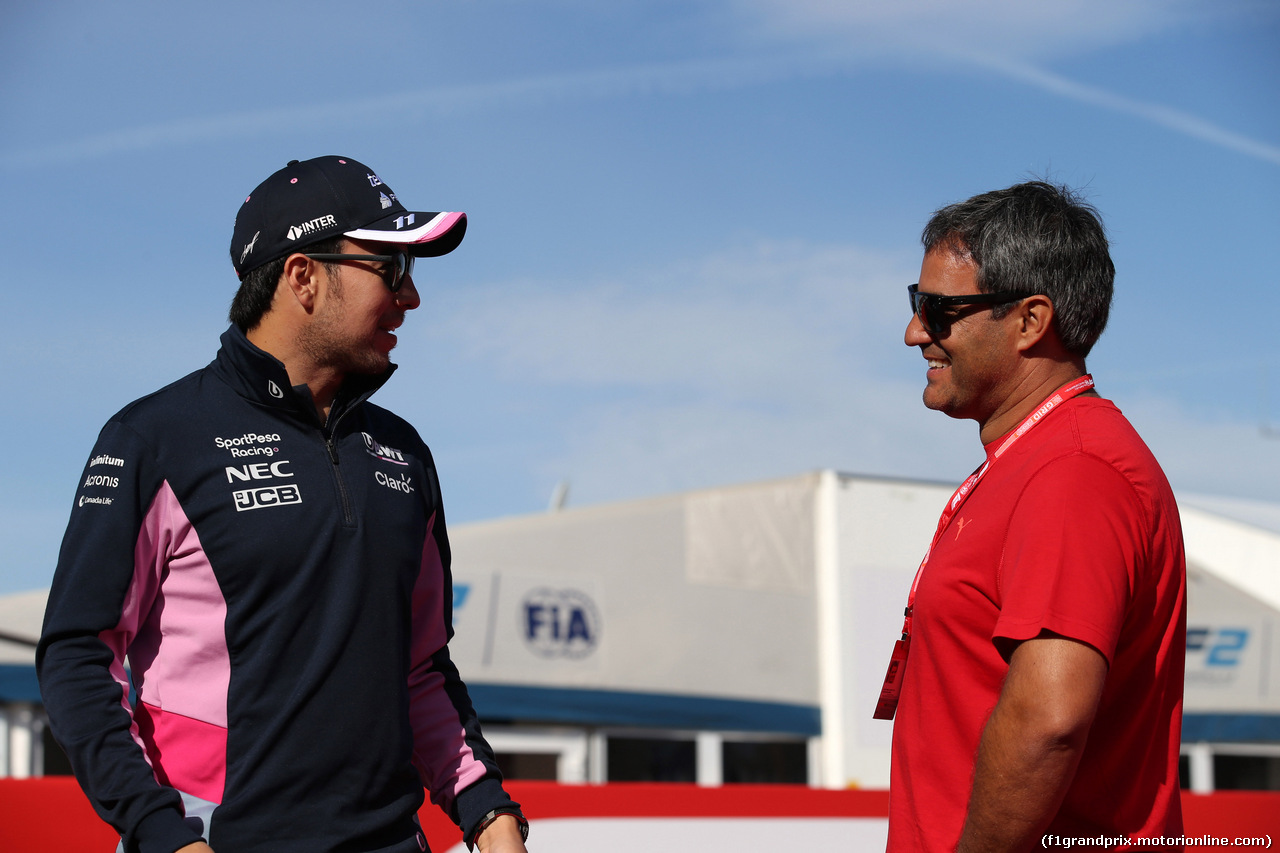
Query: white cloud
<point>1213,453</point>
<point>758,362</point>
<point>1004,27</point>
<point>752,363</point>
<point>734,325</point>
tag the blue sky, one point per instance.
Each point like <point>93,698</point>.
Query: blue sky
<point>691,224</point>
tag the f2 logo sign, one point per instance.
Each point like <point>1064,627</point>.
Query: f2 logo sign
<point>1221,646</point>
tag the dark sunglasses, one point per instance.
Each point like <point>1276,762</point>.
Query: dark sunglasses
<point>396,267</point>
<point>931,308</point>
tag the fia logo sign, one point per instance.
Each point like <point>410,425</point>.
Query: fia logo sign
<point>560,623</point>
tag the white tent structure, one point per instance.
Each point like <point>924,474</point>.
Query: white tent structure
<point>742,633</point>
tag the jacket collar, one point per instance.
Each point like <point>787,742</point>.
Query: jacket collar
<point>261,377</point>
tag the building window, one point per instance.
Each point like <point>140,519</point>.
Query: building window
<point>527,765</point>
<point>1246,772</point>
<point>651,760</point>
<point>765,762</point>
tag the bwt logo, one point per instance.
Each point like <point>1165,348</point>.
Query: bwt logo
<point>560,623</point>
<point>1222,646</point>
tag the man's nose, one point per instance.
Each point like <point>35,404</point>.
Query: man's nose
<point>407,296</point>
<point>916,334</point>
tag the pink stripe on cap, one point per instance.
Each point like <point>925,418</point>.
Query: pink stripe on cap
<point>442,224</point>
<point>409,231</point>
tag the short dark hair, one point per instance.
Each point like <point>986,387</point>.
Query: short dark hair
<point>1035,237</point>
<point>258,287</point>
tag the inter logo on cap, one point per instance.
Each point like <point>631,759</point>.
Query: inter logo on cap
<point>311,226</point>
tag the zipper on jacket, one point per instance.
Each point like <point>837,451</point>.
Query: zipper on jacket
<point>348,514</point>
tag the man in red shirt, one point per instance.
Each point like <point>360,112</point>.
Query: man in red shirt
<point>1039,680</point>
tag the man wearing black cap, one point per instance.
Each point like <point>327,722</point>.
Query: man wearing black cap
<point>267,550</point>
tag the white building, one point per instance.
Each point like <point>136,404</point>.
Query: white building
<point>742,634</point>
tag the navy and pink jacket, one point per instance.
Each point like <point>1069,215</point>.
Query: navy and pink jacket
<point>280,591</point>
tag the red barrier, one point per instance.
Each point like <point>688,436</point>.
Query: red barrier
<point>51,815</point>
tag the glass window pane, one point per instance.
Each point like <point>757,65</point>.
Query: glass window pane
<point>1246,773</point>
<point>651,760</point>
<point>527,765</point>
<point>766,763</point>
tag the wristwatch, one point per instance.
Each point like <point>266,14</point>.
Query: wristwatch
<point>494,815</point>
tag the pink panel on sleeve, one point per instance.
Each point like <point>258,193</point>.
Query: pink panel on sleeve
<point>187,754</point>
<point>441,753</point>
<point>443,758</point>
<point>428,628</point>
<point>179,657</point>
<point>172,629</point>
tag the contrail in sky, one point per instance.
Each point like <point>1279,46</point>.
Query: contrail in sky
<point>669,78</point>
<point>1175,120</point>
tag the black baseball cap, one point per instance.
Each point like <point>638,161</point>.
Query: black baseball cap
<point>312,200</point>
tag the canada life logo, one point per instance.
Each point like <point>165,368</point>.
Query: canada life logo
<point>560,623</point>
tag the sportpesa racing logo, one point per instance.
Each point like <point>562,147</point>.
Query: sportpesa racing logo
<point>249,444</point>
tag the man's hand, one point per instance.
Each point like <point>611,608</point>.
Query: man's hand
<point>501,836</point>
<point>197,847</point>
<point>1032,742</point>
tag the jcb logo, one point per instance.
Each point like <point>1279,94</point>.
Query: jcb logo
<point>266,496</point>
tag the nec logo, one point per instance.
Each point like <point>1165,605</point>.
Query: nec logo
<point>258,471</point>
<point>265,497</point>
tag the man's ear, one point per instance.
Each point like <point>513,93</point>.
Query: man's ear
<point>1035,320</point>
<point>299,278</point>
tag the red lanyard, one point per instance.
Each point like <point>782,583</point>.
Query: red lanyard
<point>888,703</point>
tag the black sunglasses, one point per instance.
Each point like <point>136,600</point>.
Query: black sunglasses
<point>397,266</point>
<point>930,307</point>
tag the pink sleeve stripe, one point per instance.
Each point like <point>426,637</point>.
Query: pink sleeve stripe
<point>428,632</point>
<point>440,749</point>
<point>187,754</point>
<point>179,653</point>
